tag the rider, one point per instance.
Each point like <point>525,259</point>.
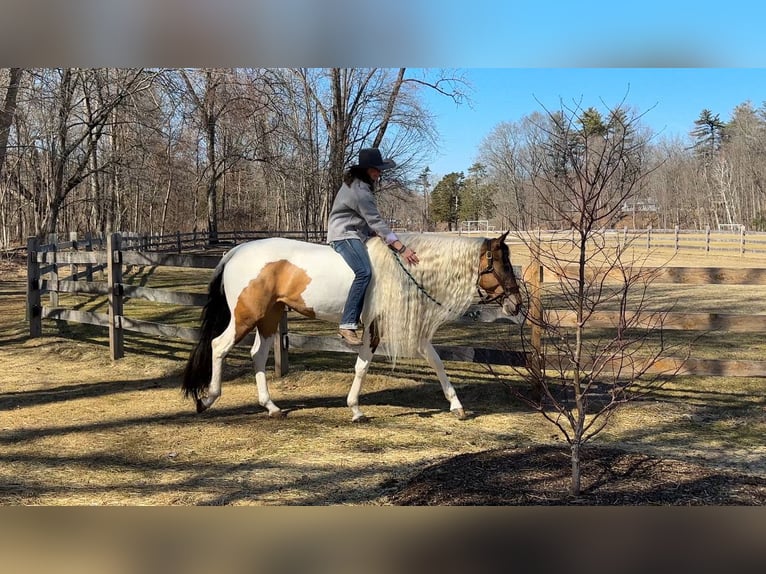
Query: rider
<point>355,218</point>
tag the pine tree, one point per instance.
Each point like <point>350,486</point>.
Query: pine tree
<point>708,134</point>
<point>445,199</point>
<point>560,145</point>
<point>592,123</point>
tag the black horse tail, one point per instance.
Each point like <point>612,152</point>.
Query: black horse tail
<point>215,318</point>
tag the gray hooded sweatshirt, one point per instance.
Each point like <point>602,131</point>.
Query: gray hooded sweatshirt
<point>355,215</point>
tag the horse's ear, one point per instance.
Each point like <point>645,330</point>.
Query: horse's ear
<point>501,239</point>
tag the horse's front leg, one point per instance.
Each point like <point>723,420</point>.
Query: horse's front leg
<point>430,355</point>
<point>360,372</point>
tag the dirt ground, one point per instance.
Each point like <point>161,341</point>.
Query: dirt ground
<point>541,475</point>
<point>77,429</point>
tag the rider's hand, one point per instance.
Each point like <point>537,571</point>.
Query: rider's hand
<point>410,256</point>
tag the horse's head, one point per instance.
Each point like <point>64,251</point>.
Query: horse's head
<point>496,277</point>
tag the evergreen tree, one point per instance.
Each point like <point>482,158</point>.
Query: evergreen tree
<point>559,146</point>
<point>618,123</point>
<point>592,123</point>
<point>445,199</point>
<point>621,130</point>
<point>708,134</point>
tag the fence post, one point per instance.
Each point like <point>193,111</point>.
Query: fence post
<point>73,267</point>
<point>89,247</point>
<point>53,282</point>
<point>114,270</point>
<point>34,307</point>
<point>533,278</point>
<point>649,237</point>
<point>707,238</point>
<point>281,344</point>
<point>624,236</point>
<point>178,241</point>
<point>742,240</point>
<point>675,237</point>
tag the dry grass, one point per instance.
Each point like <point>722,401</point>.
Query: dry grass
<point>77,429</point>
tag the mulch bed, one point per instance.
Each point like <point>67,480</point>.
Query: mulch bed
<point>541,475</point>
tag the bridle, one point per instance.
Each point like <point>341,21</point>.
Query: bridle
<point>487,297</point>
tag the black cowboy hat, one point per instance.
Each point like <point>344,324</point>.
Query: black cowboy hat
<point>370,157</point>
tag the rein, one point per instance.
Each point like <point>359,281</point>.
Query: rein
<point>415,281</point>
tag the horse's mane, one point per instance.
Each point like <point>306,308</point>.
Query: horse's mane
<point>404,313</point>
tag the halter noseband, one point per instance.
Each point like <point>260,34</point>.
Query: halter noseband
<point>485,297</point>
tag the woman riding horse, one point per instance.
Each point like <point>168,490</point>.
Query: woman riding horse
<point>355,218</point>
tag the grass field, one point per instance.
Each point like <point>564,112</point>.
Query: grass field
<point>78,429</point>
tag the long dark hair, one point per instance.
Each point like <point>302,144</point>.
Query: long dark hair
<point>360,173</point>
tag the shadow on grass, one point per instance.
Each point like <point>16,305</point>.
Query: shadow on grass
<point>208,483</point>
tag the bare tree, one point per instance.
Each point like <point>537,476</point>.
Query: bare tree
<point>744,148</point>
<point>578,375</point>
<point>8,111</point>
<point>508,152</point>
<point>60,129</point>
<point>226,104</point>
<point>369,107</point>
<point>7,114</point>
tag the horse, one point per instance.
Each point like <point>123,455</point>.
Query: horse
<point>404,305</point>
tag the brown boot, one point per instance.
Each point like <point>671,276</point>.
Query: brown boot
<point>350,337</point>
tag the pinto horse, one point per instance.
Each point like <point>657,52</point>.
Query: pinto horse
<point>404,306</point>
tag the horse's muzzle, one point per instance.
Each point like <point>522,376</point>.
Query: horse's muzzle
<point>511,305</point>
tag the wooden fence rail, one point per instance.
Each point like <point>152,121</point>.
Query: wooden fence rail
<point>703,240</point>
<point>48,260</point>
<point>706,241</point>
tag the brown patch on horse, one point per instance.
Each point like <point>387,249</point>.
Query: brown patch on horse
<point>262,302</point>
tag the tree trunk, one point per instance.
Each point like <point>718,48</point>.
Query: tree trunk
<point>389,111</point>
<point>212,181</point>
<point>7,112</point>
<point>575,489</point>
<point>165,204</point>
<point>338,129</point>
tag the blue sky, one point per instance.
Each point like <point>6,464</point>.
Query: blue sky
<point>596,33</point>
<point>671,97</point>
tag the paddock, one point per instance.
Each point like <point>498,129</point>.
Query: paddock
<point>80,429</point>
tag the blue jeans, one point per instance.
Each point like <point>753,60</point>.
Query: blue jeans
<point>355,254</point>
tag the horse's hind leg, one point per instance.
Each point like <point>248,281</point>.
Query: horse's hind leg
<point>221,346</point>
<point>260,354</point>
<point>264,337</point>
<point>360,372</point>
<point>430,355</point>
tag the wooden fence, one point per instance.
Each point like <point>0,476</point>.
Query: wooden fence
<point>707,241</point>
<point>47,263</point>
<point>689,241</point>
